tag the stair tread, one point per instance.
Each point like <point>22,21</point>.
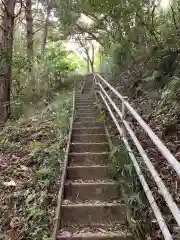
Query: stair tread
<point>86,104</point>
<point>102,232</point>
<point>83,130</point>
<point>89,153</point>
<point>88,146</point>
<point>90,213</point>
<point>76,128</point>
<point>90,134</point>
<point>86,143</point>
<point>93,138</point>
<point>111,183</point>
<point>88,172</point>
<point>78,181</point>
<point>92,207</point>
<point>88,158</point>
<point>89,118</point>
<point>89,167</point>
<point>92,201</point>
<point>96,230</point>
<point>87,115</point>
<point>95,121</point>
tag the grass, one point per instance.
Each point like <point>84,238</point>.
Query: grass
<point>122,170</point>
<point>31,156</point>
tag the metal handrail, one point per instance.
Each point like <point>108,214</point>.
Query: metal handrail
<point>155,208</point>
<point>162,148</point>
<point>163,190</point>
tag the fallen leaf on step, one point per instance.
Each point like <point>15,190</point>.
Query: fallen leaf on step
<point>24,168</point>
<point>101,230</point>
<point>10,184</point>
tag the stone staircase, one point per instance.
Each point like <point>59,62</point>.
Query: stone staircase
<point>92,208</point>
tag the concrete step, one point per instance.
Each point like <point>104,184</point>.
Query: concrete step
<point>106,191</point>
<point>86,95</point>
<point>80,103</point>
<point>84,98</point>
<point>89,236</point>
<point>88,159</point>
<point>86,118</point>
<point>86,124</point>
<point>83,105</point>
<point>83,95</point>
<point>84,101</point>
<point>88,172</point>
<point>88,87</point>
<point>86,110</point>
<point>97,236</point>
<point>92,130</point>
<point>93,138</point>
<point>96,232</point>
<point>88,147</point>
<point>90,214</point>
<point>87,91</point>
<point>88,114</point>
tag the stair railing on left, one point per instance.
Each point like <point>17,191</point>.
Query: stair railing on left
<point>100,86</point>
<point>57,219</point>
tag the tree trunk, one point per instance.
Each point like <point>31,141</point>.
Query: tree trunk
<point>29,28</point>
<point>89,59</point>
<point>92,58</point>
<point>92,66</point>
<point>46,27</point>
<point>6,46</point>
<point>88,65</point>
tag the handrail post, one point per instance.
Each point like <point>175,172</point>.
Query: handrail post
<point>123,111</point>
<point>94,80</point>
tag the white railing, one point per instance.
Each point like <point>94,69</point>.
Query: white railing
<point>99,82</point>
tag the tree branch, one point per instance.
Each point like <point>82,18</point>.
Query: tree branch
<point>151,31</point>
<point>38,30</point>
<point>174,20</point>
<point>20,10</point>
<point>90,33</point>
<point>152,15</point>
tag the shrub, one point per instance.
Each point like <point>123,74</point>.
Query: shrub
<point>36,89</point>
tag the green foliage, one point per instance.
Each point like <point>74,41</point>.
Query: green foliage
<point>169,108</point>
<point>57,62</point>
<point>122,170</point>
<point>120,159</point>
<point>37,89</point>
<point>32,153</point>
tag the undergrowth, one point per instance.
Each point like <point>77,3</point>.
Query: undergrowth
<point>31,155</point>
<point>122,170</point>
